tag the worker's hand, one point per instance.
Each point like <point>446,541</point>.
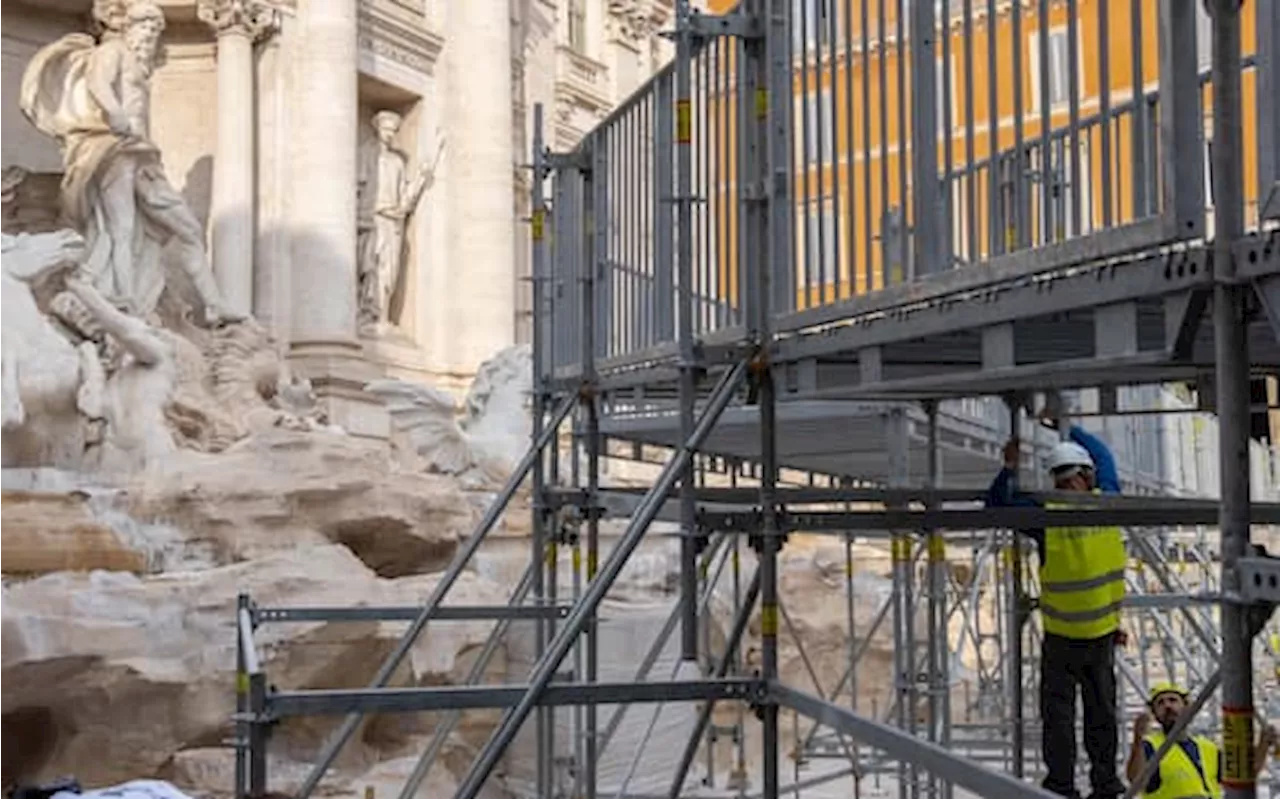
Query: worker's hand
<point>1140,726</point>
<point>1012,453</point>
<point>1048,418</point>
<point>1122,637</point>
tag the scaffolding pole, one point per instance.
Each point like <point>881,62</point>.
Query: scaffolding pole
<point>1231,347</point>
<point>538,536</point>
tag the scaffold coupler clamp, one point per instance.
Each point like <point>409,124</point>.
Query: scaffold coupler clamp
<point>758,370</point>
<point>756,540</point>
<point>759,696</point>
<point>1258,578</point>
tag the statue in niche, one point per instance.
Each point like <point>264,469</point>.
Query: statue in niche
<point>386,197</point>
<point>93,97</point>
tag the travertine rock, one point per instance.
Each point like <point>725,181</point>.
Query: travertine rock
<point>49,532</point>
<point>109,675</point>
<point>282,489</point>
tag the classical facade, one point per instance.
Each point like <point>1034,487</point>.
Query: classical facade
<point>283,125</point>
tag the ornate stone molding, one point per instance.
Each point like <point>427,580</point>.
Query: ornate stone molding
<point>252,18</point>
<point>408,44</point>
<point>631,22</point>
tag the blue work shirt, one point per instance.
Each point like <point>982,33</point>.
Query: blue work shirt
<point>1000,494</point>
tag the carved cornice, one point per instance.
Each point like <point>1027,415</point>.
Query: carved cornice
<point>404,41</point>
<point>634,22</point>
<point>252,18</point>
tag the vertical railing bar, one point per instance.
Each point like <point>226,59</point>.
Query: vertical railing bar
<point>994,194</point>
<point>1022,232</point>
<point>714,218</point>
<point>971,219</point>
<point>704,146</point>
<point>1046,125</point>
<point>618,210</point>
<point>624,209</point>
<point>806,112</point>
<point>1104,109</point>
<point>820,142</point>
<point>644,172</point>
<point>663,210</point>
<point>1138,123</point>
<point>884,138</point>
<point>904,175</point>
<point>833,36</point>
<point>947,248</point>
<point>868,226</point>
<point>1074,90</point>
<point>847,265</point>
<point>636,202</point>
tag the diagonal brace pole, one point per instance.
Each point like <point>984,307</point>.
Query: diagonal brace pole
<point>446,727</point>
<point>722,668</point>
<point>574,625</point>
<point>460,560</point>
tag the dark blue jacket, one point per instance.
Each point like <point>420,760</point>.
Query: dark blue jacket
<point>1000,494</point>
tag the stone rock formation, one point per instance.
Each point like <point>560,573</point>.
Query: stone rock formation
<point>114,675</point>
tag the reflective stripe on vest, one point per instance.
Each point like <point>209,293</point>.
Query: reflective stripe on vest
<point>1179,777</point>
<point>1082,580</point>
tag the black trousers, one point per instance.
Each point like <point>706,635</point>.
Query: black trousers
<point>1065,666</point>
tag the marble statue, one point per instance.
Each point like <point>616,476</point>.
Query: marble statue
<point>50,381</point>
<point>387,196</point>
<point>485,438</point>
<point>93,97</point>
<point>143,374</point>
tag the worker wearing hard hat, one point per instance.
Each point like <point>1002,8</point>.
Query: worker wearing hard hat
<point>1189,770</point>
<point>1081,589</point>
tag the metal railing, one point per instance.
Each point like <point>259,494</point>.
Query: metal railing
<point>906,161</point>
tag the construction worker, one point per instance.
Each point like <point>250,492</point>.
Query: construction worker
<point>1189,770</point>
<point>1081,588</point>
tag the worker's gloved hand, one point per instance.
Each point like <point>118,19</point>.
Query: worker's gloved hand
<point>1141,724</point>
<point>1122,637</point>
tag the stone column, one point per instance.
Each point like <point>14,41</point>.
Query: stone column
<point>478,308</point>
<point>323,344</point>
<point>326,114</point>
<point>237,23</point>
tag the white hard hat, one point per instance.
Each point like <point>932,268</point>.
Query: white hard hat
<point>1068,453</point>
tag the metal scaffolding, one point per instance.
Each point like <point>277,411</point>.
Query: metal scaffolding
<point>771,274</point>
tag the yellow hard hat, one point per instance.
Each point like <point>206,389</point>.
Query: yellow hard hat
<point>1166,688</point>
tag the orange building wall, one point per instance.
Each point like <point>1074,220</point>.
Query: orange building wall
<point>843,179</point>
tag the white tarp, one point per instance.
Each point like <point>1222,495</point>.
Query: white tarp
<point>137,789</point>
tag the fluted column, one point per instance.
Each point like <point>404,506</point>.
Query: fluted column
<point>237,24</point>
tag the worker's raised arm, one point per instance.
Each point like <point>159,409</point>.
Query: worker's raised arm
<point>1104,463</point>
<point>1000,494</point>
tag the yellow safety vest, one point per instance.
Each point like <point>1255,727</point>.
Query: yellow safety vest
<point>1179,778</point>
<point>1081,580</point>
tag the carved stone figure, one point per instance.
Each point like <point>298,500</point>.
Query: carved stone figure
<point>94,98</point>
<point>387,196</point>
<point>486,440</point>
<point>51,381</point>
<point>53,364</point>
